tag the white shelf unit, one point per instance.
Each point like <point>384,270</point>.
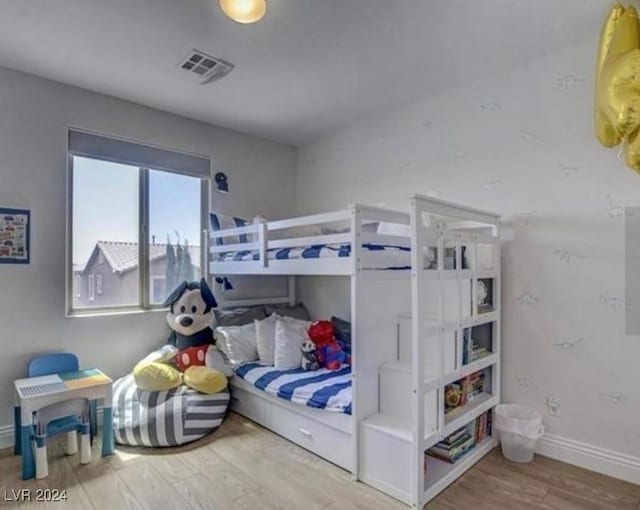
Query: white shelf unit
<point>453,247</point>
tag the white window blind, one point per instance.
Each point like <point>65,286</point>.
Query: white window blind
<point>90,145</point>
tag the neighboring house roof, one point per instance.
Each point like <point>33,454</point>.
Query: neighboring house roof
<point>123,256</point>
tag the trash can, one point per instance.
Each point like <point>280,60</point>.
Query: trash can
<point>519,429</point>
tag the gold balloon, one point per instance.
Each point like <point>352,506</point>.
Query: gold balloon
<point>605,132</point>
<point>632,152</point>
<point>620,87</point>
<point>617,108</point>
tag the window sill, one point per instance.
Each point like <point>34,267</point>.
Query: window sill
<point>108,312</point>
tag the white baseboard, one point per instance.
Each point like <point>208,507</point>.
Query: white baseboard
<point>608,462</point>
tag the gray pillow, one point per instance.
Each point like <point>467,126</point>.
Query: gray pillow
<point>238,316</point>
<point>342,330</point>
<point>298,311</point>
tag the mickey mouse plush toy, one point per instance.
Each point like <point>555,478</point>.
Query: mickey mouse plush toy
<point>189,318</point>
<point>190,346</point>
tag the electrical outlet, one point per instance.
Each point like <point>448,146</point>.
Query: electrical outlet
<point>553,405</point>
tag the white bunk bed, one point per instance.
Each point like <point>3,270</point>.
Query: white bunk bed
<point>397,408</point>
<point>375,263</point>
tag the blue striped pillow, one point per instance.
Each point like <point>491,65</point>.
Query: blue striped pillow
<point>222,222</point>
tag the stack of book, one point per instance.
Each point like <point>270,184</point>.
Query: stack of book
<point>453,447</point>
<point>482,427</point>
<point>473,386</point>
<point>470,350</point>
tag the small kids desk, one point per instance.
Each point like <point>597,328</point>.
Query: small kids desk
<point>34,393</point>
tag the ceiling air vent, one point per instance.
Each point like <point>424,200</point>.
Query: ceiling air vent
<point>207,68</point>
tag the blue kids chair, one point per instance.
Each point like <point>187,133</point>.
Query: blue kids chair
<point>66,417</point>
<point>56,363</point>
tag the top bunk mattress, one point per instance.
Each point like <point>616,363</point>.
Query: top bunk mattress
<point>390,256</point>
<point>321,389</point>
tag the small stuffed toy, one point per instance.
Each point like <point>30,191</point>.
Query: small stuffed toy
<point>329,352</point>
<point>334,356</point>
<point>309,357</point>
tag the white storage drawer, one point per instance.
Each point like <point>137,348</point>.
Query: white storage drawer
<point>332,444</point>
<point>251,406</point>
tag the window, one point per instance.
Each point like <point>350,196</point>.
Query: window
<point>116,189</point>
<point>105,220</point>
<point>174,252</point>
<point>92,287</point>
<point>158,289</point>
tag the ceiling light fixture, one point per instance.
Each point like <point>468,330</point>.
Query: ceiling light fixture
<point>244,11</point>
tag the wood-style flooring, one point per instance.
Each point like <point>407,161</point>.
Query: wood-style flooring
<point>245,467</point>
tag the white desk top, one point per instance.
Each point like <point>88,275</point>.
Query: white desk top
<point>48,385</point>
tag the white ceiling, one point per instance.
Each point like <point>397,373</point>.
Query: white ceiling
<point>309,67</point>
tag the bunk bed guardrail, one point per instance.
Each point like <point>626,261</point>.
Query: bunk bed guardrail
<point>259,238</point>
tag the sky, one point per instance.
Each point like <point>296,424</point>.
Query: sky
<point>105,205</point>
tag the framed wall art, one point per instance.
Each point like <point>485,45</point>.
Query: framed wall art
<point>15,226</point>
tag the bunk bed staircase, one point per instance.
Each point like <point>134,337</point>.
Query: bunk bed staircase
<point>454,328</point>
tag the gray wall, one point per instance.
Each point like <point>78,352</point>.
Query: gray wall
<point>34,117</point>
<point>522,144</point>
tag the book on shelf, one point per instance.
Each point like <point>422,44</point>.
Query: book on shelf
<point>451,453</point>
<point>467,345</point>
<point>465,390</point>
<point>454,437</point>
<point>482,426</point>
<point>479,352</point>
<point>485,308</point>
<point>458,443</point>
<point>470,350</point>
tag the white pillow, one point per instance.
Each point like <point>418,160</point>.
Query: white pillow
<point>238,343</point>
<point>394,229</point>
<point>290,335</point>
<point>215,358</point>
<point>291,232</point>
<point>266,338</point>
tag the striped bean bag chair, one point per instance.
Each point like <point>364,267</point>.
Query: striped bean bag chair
<point>164,418</point>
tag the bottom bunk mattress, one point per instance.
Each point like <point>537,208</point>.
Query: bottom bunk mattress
<point>164,418</point>
<point>321,389</point>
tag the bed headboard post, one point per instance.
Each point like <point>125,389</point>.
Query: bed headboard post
<point>291,285</point>
<point>263,243</point>
<point>356,302</point>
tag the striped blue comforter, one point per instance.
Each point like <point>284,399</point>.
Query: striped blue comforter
<point>321,389</point>
<point>398,255</point>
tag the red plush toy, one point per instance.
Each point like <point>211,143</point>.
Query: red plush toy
<point>330,354</point>
<point>322,333</point>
